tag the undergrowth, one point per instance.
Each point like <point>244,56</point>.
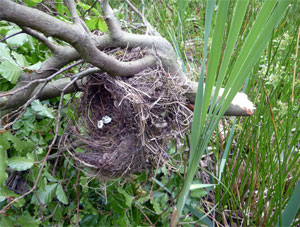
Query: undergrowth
<point>250,190</point>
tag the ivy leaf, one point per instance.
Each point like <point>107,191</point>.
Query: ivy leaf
<point>61,195</point>
<point>20,163</point>
<point>5,192</point>
<point>41,109</point>
<point>10,71</point>
<point>17,40</point>
<point>19,145</point>
<point>45,196</point>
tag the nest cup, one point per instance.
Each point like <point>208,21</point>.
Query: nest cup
<point>121,125</point>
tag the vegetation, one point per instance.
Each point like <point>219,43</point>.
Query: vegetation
<point>226,171</point>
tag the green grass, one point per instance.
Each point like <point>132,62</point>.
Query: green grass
<point>261,169</point>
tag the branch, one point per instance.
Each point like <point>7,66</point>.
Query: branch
<point>112,22</point>
<point>240,106</point>
<point>72,8</point>
<point>55,88</point>
<point>42,38</point>
<point>76,19</point>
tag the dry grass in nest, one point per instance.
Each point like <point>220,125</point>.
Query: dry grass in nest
<point>139,114</point>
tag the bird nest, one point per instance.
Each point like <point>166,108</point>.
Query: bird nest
<point>121,125</point>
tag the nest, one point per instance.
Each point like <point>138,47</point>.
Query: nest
<point>123,124</point>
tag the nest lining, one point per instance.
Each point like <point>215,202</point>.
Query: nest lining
<point>145,110</point>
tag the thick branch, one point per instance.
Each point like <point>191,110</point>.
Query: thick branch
<point>240,106</point>
<point>79,39</point>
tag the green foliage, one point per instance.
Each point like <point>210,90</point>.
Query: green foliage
<point>20,163</point>
<point>245,179</point>
<point>21,52</point>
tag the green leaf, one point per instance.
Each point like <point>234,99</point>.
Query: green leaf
<point>35,66</point>
<point>5,53</point>
<point>198,193</point>
<point>97,23</point>
<point>89,220</point>
<point>20,59</point>
<point>61,195</point>
<point>128,198</point>
<point>45,196</point>
<point>292,208</point>
<point>19,145</point>
<point>4,144</point>
<point>10,71</point>
<point>17,40</point>
<point>30,3</point>
<point>92,24</point>
<point>102,26</point>
<point>41,109</point>
<point>199,186</point>
<point>156,205</point>
<point>7,221</point>
<point>20,163</point>
<point>3,165</point>
<point>28,220</point>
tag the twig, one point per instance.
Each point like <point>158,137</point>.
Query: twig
<point>7,37</point>
<point>77,198</point>
<point>92,6</point>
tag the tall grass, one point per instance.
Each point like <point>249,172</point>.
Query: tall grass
<point>206,119</point>
<point>258,171</point>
